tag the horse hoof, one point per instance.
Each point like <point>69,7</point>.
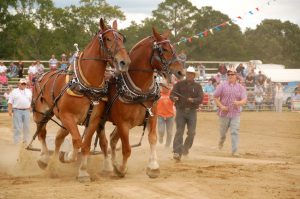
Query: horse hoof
<point>153,173</point>
<point>62,157</point>
<point>84,179</point>
<point>42,165</point>
<point>119,173</point>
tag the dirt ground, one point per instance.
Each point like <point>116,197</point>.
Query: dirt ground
<point>269,166</point>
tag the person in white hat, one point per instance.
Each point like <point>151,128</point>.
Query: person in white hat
<point>187,95</point>
<point>19,102</point>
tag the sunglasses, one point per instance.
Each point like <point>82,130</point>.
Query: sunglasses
<point>23,84</point>
<point>231,74</point>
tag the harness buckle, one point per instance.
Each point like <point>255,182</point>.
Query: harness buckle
<point>95,103</point>
<point>149,111</point>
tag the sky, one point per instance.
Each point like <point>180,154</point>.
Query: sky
<point>285,10</point>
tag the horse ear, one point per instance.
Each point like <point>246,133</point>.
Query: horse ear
<point>156,34</point>
<point>115,25</point>
<point>166,34</point>
<point>102,24</point>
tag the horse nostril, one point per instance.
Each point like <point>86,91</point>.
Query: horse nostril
<point>122,63</point>
<point>179,73</point>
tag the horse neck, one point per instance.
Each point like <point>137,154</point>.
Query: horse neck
<point>141,60</point>
<point>93,70</point>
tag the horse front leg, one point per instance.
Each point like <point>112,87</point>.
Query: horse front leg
<point>153,170</point>
<point>119,170</point>
<point>43,159</point>
<point>104,148</point>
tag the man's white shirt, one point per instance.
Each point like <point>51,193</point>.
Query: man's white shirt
<point>20,99</point>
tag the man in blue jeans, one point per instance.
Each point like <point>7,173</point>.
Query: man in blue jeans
<point>187,95</point>
<point>19,108</point>
<point>229,97</point>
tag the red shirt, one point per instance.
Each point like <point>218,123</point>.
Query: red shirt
<point>165,106</point>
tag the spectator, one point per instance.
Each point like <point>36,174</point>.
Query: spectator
<point>258,89</point>
<point>64,62</point>
<point>209,88</point>
<point>32,72</point>
<point>3,68</point>
<point>269,94</point>
<point>250,80</point>
<point>187,95</point>
<point>297,89</point>
<point>278,100</point>
<point>229,97</point>
<point>260,79</point>
<point>3,104</point>
<point>296,96</point>
<point>240,69</point>
<point>20,66</point>
<point>71,59</point>
<point>19,107</point>
<point>53,63</point>
<point>165,114</point>
<point>182,57</point>
<point>201,69</point>
<point>39,67</point>
<point>259,99</point>
<point>12,70</point>
<point>3,79</point>
<point>251,101</point>
<point>217,77</point>
<point>222,69</point>
<point>7,92</point>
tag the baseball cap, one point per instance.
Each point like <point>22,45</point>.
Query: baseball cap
<point>22,81</point>
<point>231,70</point>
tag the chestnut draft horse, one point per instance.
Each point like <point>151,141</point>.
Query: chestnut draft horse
<point>71,95</point>
<point>133,95</point>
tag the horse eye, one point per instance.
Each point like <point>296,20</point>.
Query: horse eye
<point>107,39</point>
<point>165,50</point>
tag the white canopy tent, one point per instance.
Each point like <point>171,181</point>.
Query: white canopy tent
<point>282,75</point>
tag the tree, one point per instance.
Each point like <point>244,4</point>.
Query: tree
<point>176,15</point>
<point>275,42</point>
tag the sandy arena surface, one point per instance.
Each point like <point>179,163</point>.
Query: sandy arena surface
<point>269,166</point>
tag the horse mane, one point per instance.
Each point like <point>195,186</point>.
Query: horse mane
<point>140,43</point>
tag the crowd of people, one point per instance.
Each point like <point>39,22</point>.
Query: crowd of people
<point>17,70</point>
<point>262,93</point>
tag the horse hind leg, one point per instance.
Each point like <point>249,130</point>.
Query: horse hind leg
<point>70,125</point>
<point>54,167</point>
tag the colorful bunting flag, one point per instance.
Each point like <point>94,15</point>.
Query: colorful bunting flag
<point>220,26</point>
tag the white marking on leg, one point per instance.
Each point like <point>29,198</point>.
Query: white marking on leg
<point>153,164</point>
<point>83,167</point>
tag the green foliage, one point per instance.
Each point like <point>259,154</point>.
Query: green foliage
<point>31,29</point>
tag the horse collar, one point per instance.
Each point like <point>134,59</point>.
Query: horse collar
<point>130,93</point>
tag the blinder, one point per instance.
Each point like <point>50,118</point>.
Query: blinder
<point>108,51</point>
<point>165,63</point>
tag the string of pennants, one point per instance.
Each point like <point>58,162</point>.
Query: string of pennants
<point>217,28</point>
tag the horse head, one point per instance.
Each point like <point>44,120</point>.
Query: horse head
<point>112,43</point>
<point>165,56</point>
